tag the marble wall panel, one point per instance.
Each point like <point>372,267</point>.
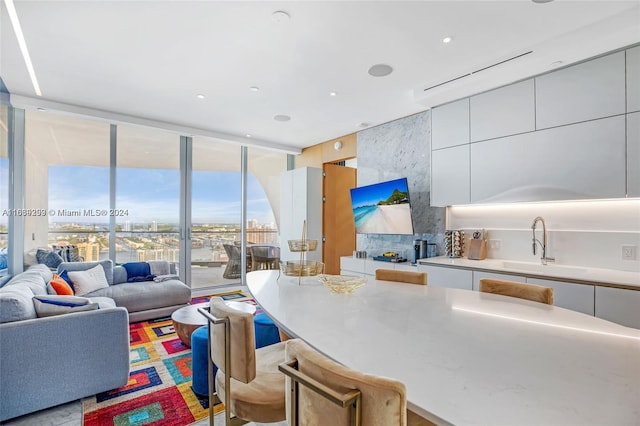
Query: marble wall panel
<point>394,150</point>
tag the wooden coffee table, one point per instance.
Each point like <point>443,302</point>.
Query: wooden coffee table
<point>187,320</point>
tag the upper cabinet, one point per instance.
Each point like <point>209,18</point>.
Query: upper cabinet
<point>633,154</point>
<point>450,124</point>
<point>505,111</point>
<point>565,135</point>
<point>633,79</point>
<point>575,162</point>
<point>450,176</point>
<point>590,90</point>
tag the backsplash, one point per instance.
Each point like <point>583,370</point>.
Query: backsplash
<point>581,233</point>
<point>394,150</point>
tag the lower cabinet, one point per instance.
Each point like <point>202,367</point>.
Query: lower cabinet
<point>577,297</point>
<point>613,304</point>
<point>448,277</point>
<point>618,305</point>
<point>367,267</point>
<point>478,275</point>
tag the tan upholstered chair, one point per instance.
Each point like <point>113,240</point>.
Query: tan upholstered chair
<point>248,381</point>
<point>323,392</point>
<point>402,276</point>
<point>537,293</point>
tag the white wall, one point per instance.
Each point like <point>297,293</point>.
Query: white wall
<point>585,233</point>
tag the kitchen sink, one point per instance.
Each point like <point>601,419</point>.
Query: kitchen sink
<point>548,269</point>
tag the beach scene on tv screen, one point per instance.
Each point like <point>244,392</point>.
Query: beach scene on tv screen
<point>382,208</point>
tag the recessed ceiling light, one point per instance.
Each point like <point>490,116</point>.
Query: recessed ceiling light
<point>254,88</point>
<point>200,96</point>
<point>333,94</point>
<point>542,1</point>
<point>41,109</point>
<point>282,117</point>
<point>363,125</point>
<point>247,135</point>
<point>447,39</point>
<point>380,70</point>
<point>280,16</point>
<point>556,63</point>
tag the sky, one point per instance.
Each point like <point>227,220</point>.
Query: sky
<point>154,194</point>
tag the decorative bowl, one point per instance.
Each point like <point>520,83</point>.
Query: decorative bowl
<point>342,283</point>
<point>305,268</point>
<point>303,245</point>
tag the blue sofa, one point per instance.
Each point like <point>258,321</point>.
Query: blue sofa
<point>47,361</point>
<point>53,360</point>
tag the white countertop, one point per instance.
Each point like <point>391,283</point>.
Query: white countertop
<point>468,357</point>
<point>551,270</point>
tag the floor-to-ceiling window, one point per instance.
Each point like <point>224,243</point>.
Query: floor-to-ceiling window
<point>95,180</point>
<point>4,188</point>
<point>215,213</point>
<point>263,194</point>
<point>147,195</point>
<point>67,173</point>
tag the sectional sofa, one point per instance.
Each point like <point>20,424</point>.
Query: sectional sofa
<point>50,360</point>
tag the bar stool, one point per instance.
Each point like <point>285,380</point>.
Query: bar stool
<point>266,331</point>
<point>199,366</point>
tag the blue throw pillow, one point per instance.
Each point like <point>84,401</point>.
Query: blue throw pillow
<point>48,258</point>
<point>65,277</point>
<point>3,258</point>
<point>137,269</point>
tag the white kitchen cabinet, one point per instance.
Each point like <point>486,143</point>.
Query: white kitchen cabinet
<point>300,200</point>
<point>633,79</point>
<point>478,275</point>
<point>618,305</point>
<point>579,161</point>
<point>506,111</point>
<point>448,277</point>
<point>450,124</point>
<point>351,265</point>
<point>405,266</point>
<point>577,297</point>
<point>633,154</point>
<point>450,176</point>
<point>367,267</point>
<point>371,265</point>
<point>586,91</point>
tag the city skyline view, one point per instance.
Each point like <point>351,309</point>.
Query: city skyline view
<point>147,195</point>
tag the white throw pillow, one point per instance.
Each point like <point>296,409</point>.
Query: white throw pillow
<point>88,281</point>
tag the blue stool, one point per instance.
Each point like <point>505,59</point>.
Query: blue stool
<point>200,361</point>
<point>266,330</point>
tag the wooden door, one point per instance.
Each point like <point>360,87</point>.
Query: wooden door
<point>338,227</point>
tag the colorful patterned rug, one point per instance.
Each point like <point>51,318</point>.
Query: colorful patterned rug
<point>159,389</point>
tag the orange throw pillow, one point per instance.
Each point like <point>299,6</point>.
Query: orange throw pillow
<point>60,286</point>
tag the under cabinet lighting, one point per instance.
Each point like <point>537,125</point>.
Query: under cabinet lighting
<point>17,28</point>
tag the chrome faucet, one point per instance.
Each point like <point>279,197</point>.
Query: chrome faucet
<point>543,259</point>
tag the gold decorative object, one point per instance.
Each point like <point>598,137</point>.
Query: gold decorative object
<point>302,268</point>
<point>303,245</point>
<point>342,283</point>
<point>305,268</point>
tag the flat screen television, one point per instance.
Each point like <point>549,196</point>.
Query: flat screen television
<point>382,208</point>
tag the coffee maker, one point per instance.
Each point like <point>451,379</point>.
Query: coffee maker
<point>417,250</point>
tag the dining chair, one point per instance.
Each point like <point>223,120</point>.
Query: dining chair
<point>322,392</point>
<point>264,257</point>
<point>402,276</point>
<point>537,293</point>
<point>248,381</point>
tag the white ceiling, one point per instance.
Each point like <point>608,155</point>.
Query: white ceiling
<point>147,60</point>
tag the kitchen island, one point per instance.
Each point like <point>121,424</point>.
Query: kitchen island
<point>467,357</point>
